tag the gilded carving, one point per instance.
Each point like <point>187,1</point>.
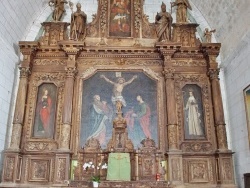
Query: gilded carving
<point>40,146</point>
<point>197,147</point>
<point>169,73</point>
<point>9,168</point>
<point>148,166</point>
<point>61,169</point>
<point>50,62</point>
<point>70,72</point>
<point>176,169</point>
<point>198,171</point>
<point>39,169</point>
<point>49,77</point>
<point>65,136</point>
<point>92,28</point>
<point>190,78</point>
<point>137,26</point>
<point>213,73</point>
<point>16,136</point>
<point>172,136</point>
<point>188,63</point>
<point>103,16</point>
<point>122,61</point>
<point>24,72</point>
<point>221,136</point>
<point>148,29</point>
<point>227,169</point>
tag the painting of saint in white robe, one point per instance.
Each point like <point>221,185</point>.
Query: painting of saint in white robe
<point>193,113</point>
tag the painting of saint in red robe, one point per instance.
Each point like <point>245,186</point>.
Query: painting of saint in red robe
<point>120,14</point>
<point>45,111</point>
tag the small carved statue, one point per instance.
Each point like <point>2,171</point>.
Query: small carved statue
<point>78,23</point>
<point>208,35</point>
<point>58,8</point>
<point>163,22</point>
<point>182,6</point>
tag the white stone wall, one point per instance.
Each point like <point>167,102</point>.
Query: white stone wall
<point>237,74</point>
<point>16,17</point>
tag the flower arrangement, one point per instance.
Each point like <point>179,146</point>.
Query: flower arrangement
<point>90,165</point>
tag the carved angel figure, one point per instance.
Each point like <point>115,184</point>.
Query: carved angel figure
<point>208,35</point>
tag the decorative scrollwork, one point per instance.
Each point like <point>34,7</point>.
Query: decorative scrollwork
<point>189,62</point>
<point>40,146</point>
<point>196,147</point>
<point>49,77</point>
<point>103,16</point>
<point>137,8</point>
<point>49,62</point>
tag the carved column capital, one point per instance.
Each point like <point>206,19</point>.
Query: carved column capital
<point>24,72</point>
<point>213,73</point>
<point>169,73</point>
<point>70,72</point>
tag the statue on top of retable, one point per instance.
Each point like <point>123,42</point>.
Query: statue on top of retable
<point>182,6</point>
<point>59,9</point>
<point>163,21</point>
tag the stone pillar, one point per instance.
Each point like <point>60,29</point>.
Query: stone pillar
<point>27,49</point>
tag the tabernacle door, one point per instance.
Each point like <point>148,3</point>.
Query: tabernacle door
<point>119,167</point>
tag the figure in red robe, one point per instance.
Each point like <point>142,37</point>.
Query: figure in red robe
<point>44,113</point>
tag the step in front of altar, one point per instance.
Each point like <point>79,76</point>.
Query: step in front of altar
<point>122,184</point>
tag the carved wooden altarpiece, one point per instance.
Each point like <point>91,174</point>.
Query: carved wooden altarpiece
<point>176,80</point>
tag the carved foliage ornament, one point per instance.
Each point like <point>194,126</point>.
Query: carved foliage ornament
<point>40,146</point>
<point>49,62</point>
<point>103,16</point>
<point>9,168</point>
<point>137,7</point>
<point>61,170</point>
<point>24,72</point>
<point>213,73</point>
<point>189,63</point>
<point>196,147</point>
<point>39,169</point>
<point>121,62</point>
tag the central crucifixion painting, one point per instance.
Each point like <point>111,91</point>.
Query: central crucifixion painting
<point>138,94</point>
